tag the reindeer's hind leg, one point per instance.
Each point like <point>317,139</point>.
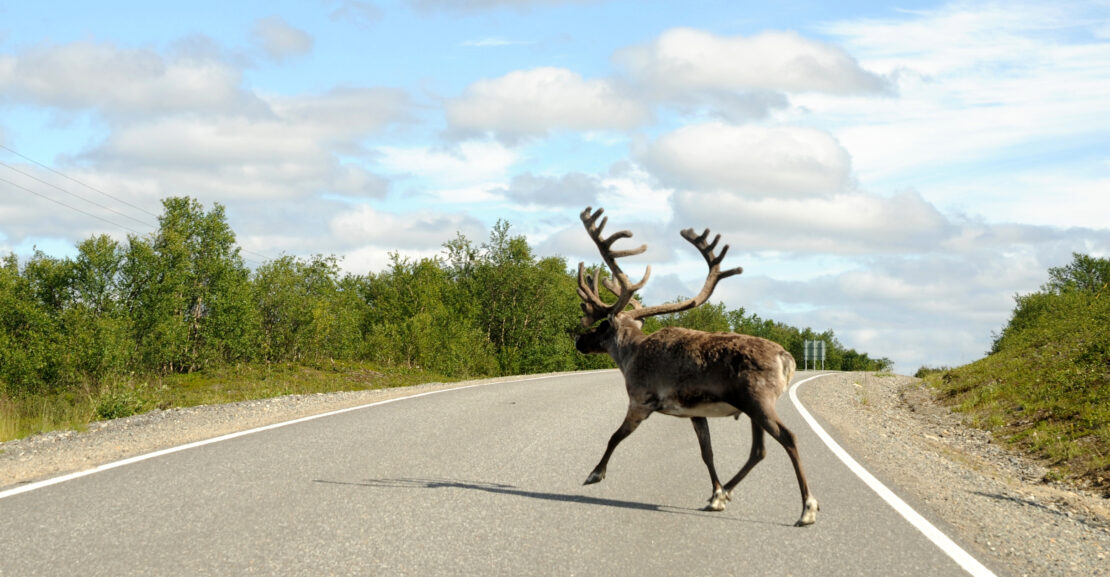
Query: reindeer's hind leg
<point>770,422</point>
<point>756,455</point>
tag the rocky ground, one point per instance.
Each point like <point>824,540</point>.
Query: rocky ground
<point>995,500</point>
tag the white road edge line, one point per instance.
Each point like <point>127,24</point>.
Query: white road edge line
<point>107,466</point>
<point>957,553</point>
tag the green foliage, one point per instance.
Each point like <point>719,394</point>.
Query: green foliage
<point>708,317</point>
<point>926,371</point>
<point>306,311</point>
<point>28,334</point>
<point>837,356</point>
<point>118,401</point>
<point>1084,274</point>
<point>1046,384</point>
<point>417,317</point>
<point>179,306</point>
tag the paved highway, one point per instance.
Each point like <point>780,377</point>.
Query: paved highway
<point>475,481</point>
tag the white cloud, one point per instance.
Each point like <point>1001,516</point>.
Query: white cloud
<point>122,82</point>
<point>573,189</point>
<point>534,102</point>
<point>1017,85</point>
<point>684,59</point>
<point>279,40</point>
<point>183,125</point>
<point>465,172</point>
<point>345,115</point>
<point>752,161</point>
<point>363,225</point>
<point>289,153</point>
<point>855,223</point>
<point>974,34</point>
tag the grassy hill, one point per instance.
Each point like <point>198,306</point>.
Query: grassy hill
<point>1045,387</point>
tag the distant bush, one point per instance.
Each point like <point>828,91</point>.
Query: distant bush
<point>925,371</point>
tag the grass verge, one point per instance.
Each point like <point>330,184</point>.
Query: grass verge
<point>24,416</point>
<point>1043,401</point>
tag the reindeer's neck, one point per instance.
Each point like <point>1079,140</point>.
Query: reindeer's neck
<point>627,339</point>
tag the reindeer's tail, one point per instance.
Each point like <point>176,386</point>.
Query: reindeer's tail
<point>789,365</point>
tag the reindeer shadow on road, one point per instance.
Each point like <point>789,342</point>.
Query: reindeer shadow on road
<point>510,490</point>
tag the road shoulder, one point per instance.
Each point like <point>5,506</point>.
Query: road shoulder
<point>996,500</point>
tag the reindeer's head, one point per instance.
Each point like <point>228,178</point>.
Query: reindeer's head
<point>614,316</point>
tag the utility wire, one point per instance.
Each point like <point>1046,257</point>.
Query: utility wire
<point>19,186</point>
<point>63,175</point>
<point>77,196</point>
<point>93,188</point>
<point>102,219</point>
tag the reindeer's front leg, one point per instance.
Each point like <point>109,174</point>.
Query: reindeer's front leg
<point>635,416</point>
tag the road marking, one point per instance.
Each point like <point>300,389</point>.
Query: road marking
<point>950,548</point>
<point>108,466</point>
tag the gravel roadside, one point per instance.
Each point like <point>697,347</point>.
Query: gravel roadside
<point>995,499</point>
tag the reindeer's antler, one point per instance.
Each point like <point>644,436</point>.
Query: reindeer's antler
<point>593,306</point>
<point>715,275</point>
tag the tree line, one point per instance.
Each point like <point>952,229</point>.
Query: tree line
<point>182,299</point>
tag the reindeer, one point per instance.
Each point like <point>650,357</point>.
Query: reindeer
<point>682,372</point>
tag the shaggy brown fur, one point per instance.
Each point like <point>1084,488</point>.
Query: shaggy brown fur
<point>687,373</point>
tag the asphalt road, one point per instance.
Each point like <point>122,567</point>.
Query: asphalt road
<point>477,481</point>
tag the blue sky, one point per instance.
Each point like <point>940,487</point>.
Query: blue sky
<point>894,171</point>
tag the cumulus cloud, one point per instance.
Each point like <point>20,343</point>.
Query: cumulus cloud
<point>753,161</point>
<point>846,223</point>
<point>933,308</point>
<point>364,225</point>
<point>291,152</point>
<point>531,103</point>
<point>684,59</point>
<point>345,113</point>
<point>181,123</point>
<point>573,189</point>
<point>279,40</point>
<point>122,82</point>
<point>464,172</point>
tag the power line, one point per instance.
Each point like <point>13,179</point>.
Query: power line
<point>102,219</point>
<point>55,201</point>
<point>77,196</point>
<point>63,175</point>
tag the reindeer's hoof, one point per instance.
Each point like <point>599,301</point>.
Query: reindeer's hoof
<point>809,513</point>
<point>717,501</point>
<point>594,477</point>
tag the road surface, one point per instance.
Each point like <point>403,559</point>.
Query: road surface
<point>475,481</point>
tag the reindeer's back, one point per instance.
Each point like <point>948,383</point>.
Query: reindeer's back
<point>688,356</point>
